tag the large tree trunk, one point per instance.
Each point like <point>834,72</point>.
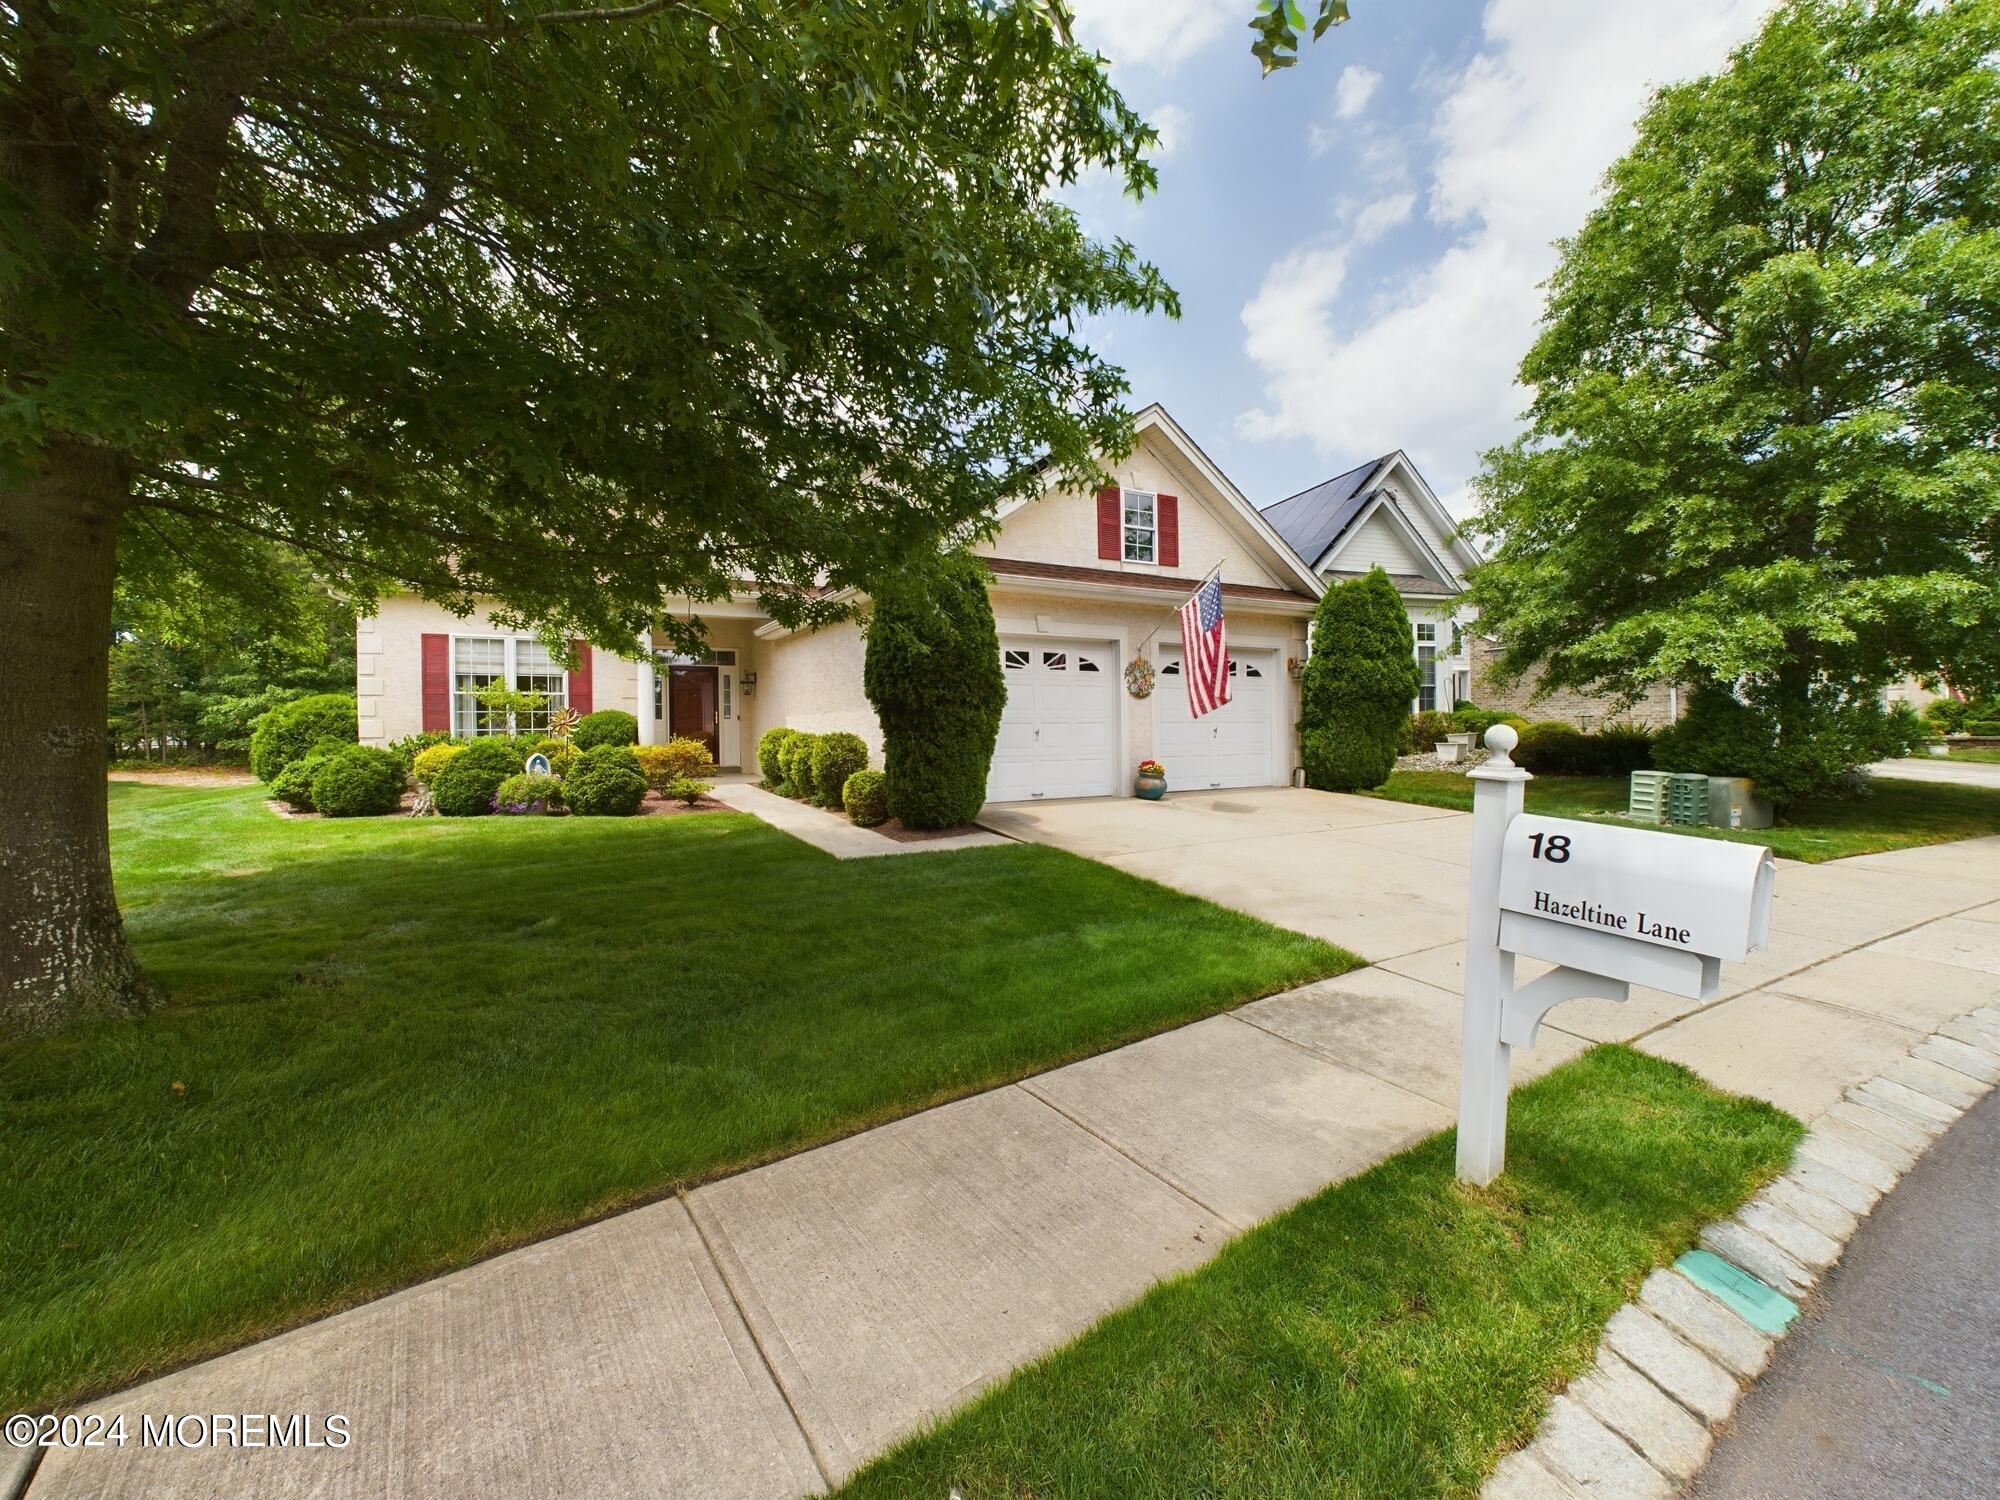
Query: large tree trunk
<point>62,943</point>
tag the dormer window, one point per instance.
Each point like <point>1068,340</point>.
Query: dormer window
<point>1142,528</point>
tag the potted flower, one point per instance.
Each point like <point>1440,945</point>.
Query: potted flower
<point>1151,782</point>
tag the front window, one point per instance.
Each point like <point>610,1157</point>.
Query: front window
<point>1141,526</point>
<point>1427,688</point>
<point>537,672</point>
<point>518,664</point>
<point>477,662</point>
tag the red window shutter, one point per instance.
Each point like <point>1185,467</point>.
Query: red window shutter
<point>1167,515</point>
<point>1110,525</point>
<point>437,683</point>
<point>579,680</point>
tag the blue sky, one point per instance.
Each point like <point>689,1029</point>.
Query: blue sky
<point>1358,241</point>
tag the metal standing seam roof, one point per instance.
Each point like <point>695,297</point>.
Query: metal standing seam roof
<point>1311,520</point>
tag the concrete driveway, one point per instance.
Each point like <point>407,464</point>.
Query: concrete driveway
<point>1386,880</point>
<point>1381,879</point>
<point>1934,768</point>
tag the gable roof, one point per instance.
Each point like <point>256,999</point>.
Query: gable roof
<point>1285,559</point>
<point>1320,521</point>
<point>1312,520</point>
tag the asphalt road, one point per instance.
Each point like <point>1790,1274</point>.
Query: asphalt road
<point>1889,1386</point>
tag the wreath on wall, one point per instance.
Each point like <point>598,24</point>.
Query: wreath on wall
<point>1139,677</point>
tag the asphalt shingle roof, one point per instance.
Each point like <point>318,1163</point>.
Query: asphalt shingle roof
<point>1310,520</point>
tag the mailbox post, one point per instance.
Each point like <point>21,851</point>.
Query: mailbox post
<point>1497,790</point>
<point>1610,907</point>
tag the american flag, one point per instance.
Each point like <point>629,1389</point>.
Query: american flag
<point>1204,657</point>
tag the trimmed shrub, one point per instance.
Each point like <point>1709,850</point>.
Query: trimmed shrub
<point>1425,730</point>
<point>293,784</point>
<point>358,781</point>
<point>284,734</point>
<point>606,783</point>
<point>425,767</point>
<point>1355,697</point>
<point>1984,728</point>
<point>561,753</point>
<point>835,757</point>
<point>1553,748</point>
<point>1469,718</point>
<point>795,761</point>
<point>528,793</point>
<point>1959,715</point>
<point>466,785</point>
<point>688,790</point>
<point>608,726</point>
<point>679,759</point>
<point>410,746</point>
<point>770,753</point>
<point>933,676</point>
<point>866,798</point>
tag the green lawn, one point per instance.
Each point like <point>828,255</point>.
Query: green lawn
<point>1391,1337</point>
<point>1897,814</point>
<point>394,1046</point>
<point>1982,756</point>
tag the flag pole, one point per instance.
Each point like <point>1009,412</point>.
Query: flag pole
<point>1153,629</point>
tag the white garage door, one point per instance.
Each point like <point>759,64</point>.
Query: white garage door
<point>1233,746</point>
<point>1059,733</point>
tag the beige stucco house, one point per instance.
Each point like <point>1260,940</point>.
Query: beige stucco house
<point>1083,583</point>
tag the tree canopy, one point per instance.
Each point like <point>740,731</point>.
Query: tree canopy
<point>573,309</point>
<point>1762,447</point>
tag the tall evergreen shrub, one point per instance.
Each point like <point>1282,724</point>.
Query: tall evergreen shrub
<point>933,675</point>
<point>1355,698</point>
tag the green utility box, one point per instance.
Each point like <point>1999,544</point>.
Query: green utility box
<point>1647,800</point>
<point>1687,798</point>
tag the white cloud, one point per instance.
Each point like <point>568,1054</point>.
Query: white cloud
<point>1521,140</point>
<point>1356,87</point>
<point>1158,34</point>
<point>1383,215</point>
<point>1172,122</point>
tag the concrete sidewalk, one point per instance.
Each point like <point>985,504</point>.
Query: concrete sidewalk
<point>769,1333</point>
<point>831,832</point>
<point>1939,769</point>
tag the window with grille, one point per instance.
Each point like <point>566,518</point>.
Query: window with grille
<point>1141,526</point>
<point>1427,688</point>
<point>522,662</point>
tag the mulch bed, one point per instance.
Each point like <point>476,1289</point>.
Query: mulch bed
<point>895,829</point>
<point>1428,761</point>
<point>656,806</point>
<point>186,776</point>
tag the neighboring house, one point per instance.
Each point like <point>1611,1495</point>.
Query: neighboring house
<point>1083,583</point>
<point>1656,709</point>
<point>1384,515</point>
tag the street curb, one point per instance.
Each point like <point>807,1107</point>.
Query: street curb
<point>1638,1425</point>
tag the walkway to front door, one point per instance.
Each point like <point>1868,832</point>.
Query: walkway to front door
<point>691,699</point>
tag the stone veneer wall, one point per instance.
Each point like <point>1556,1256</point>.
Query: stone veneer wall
<point>1658,708</point>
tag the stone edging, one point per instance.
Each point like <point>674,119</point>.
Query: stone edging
<point>1639,1423</point>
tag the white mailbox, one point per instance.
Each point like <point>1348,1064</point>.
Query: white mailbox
<point>1610,907</point>
<point>1659,909</point>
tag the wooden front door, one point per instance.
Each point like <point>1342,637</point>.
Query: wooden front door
<point>691,697</point>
